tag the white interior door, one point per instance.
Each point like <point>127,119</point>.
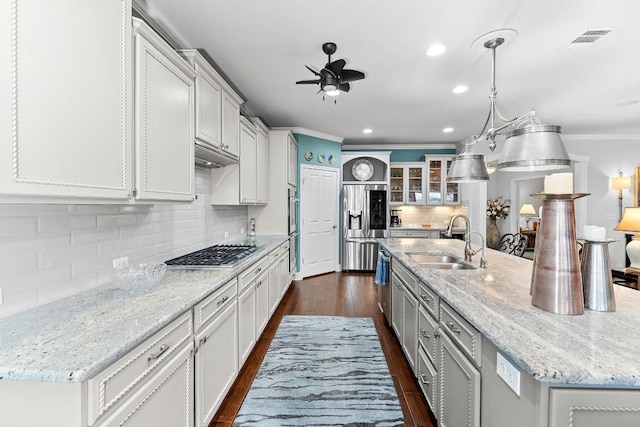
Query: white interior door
<point>318,220</point>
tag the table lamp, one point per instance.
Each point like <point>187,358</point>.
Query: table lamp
<point>527,211</point>
<point>631,222</point>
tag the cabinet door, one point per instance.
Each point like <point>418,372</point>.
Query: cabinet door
<point>262,167</point>
<point>396,185</point>
<point>284,273</point>
<point>410,328</point>
<point>230,125</point>
<point>164,120</point>
<point>428,380</point>
<point>452,190</point>
<point>292,169</point>
<point>215,370</point>
<point>248,155</point>
<point>414,185</point>
<point>208,105</point>
<point>262,302</point>
<point>594,408</point>
<point>246,321</point>
<point>165,400</point>
<point>434,181</point>
<point>459,386</point>
<point>66,114</point>
<point>396,306</point>
<point>274,286</point>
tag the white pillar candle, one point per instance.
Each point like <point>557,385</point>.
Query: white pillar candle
<point>558,183</point>
<point>592,232</point>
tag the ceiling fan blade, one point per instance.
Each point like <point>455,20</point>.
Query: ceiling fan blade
<point>312,70</point>
<point>308,82</point>
<point>344,87</point>
<point>351,76</point>
<point>336,66</point>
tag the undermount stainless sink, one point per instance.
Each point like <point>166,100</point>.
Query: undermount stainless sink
<point>443,262</point>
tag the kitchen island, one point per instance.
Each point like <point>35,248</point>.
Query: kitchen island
<point>592,358</point>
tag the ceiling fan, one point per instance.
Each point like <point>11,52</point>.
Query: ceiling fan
<point>333,78</point>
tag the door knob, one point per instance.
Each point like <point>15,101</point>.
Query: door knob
<point>334,226</point>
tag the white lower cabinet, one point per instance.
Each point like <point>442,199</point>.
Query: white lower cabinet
<point>246,322</point>
<point>428,380</point>
<point>166,399</point>
<point>459,387</point>
<point>410,328</point>
<point>274,285</point>
<point>396,306</point>
<point>262,302</point>
<point>216,359</point>
<point>284,273</point>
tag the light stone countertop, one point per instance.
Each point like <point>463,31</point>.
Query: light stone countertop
<point>597,348</point>
<point>74,338</point>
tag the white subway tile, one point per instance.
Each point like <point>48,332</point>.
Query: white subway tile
<point>52,257</point>
<point>83,237</point>
<point>32,210</point>
<point>14,264</point>
<point>121,220</point>
<point>17,300</point>
<point>33,243</point>
<point>93,209</point>
<point>18,226</point>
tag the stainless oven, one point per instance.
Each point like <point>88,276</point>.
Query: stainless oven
<point>293,209</point>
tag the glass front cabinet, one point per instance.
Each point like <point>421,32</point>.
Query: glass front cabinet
<point>439,191</point>
<point>406,184</point>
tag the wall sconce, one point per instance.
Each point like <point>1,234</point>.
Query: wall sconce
<point>620,183</point>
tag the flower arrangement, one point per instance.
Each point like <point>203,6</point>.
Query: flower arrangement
<point>497,209</point>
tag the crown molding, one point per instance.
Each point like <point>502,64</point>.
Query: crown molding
<point>449,146</point>
<point>313,133</point>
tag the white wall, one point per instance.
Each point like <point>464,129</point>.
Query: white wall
<point>48,252</point>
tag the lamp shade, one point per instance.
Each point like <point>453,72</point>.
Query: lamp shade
<point>467,167</point>
<point>532,148</point>
<point>630,220</point>
<point>621,182</point>
<point>527,209</point>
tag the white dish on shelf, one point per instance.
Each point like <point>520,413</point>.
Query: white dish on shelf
<point>362,170</point>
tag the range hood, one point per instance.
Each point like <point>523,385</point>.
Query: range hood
<point>211,157</point>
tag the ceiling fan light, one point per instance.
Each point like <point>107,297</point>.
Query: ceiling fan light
<point>329,87</point>
<point>468,167</point>
<point>334,92</point>
<point>534,148</point>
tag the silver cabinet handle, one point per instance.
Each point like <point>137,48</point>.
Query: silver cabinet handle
<point>424,379</point>
<point>222,301</point>
<point>425,299</point>
<point>163,348</point>
<point>203,341</point>
<point>424,333</point>
<point>454,330</point>
<point>258,270</point>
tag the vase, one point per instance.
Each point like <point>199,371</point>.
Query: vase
<point>493,234</point>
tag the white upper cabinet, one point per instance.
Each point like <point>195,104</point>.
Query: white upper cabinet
<point>262,161</point>
<point>439,191</point>
<point>231,123</point>
<point>66,115</point>
<point>407,183</point>
<point>164,100</point>
<point>248,151</point>
<point>292,168</point>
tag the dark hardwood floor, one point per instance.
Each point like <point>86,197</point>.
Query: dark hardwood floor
<point>333,294</point>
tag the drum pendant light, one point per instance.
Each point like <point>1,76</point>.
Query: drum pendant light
<point>531,146</point>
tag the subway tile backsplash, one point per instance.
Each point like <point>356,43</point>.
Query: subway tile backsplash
<point>48,252</point>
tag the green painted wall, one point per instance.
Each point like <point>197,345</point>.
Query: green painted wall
<point>319,149</point>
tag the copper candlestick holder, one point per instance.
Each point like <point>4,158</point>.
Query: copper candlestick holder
<point>556,282</point>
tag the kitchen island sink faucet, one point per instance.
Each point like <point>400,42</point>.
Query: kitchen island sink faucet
<point>468,250</point>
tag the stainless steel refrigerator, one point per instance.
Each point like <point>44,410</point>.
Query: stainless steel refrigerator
<point>365,219</point>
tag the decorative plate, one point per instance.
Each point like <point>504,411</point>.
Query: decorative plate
<point>308,155</point>
<point>332,160</point>
<point>320,158</point>
<point>362,170</point>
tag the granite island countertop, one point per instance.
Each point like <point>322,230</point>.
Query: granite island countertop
<point>74,338</point>
<point>597,348</point>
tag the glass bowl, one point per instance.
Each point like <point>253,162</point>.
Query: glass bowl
<point>140,278</point>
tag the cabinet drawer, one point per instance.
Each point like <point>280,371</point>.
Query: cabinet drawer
<point>117,382</point>
<point>428,380</point>
<point>208,307</point>
<point>424,234</point>
<point>429,299</point>
<point>461,332</point>
<point>405,275</point>
<point>427,329</point>
<point>246,278</point>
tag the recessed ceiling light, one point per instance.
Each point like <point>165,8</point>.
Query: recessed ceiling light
<point>436,49</point>
<point>447,130</point>
<point>367,130</point>
<point>460,89</point>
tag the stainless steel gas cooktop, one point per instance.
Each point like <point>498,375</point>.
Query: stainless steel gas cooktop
<point>218,256</point>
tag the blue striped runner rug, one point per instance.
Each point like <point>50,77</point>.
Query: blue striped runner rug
<point>322,371</point>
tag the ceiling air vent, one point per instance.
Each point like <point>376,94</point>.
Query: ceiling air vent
<point>591,36</point>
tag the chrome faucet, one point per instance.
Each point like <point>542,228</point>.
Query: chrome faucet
<point>468,250</point>
<point>483,260</point>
